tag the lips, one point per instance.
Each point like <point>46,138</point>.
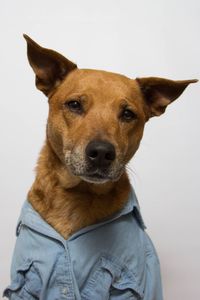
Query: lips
<point>96,177</point>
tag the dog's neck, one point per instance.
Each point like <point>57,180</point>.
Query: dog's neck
<point>66,202</point>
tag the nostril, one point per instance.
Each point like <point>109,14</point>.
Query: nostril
<point>93,154</point>
<point>110,155</point>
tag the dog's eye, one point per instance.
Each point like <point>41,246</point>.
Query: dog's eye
<point>128,115</point>
<point>74,106</point>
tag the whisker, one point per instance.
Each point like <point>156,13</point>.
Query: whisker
<point>134,176</point>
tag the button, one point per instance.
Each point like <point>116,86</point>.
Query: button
<point>118,279</point>
<point>64,291</point>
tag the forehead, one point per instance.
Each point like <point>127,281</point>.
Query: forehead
<point>100,83</point>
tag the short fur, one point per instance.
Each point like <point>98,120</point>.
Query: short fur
<point>59,193</point>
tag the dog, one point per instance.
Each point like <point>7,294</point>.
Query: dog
<point>80,234</point>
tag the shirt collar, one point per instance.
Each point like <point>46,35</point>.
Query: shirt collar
<point>30,218</point>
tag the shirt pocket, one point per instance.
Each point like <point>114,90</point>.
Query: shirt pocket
<point>26,283</point>
<point>109,280</point>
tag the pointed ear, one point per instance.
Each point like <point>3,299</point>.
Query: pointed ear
<point>49,66</point>
<point>159,92</point>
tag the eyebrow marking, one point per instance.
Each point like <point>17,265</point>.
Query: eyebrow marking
<point>126,103</point>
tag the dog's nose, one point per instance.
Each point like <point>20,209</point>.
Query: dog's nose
<point>100,153</point>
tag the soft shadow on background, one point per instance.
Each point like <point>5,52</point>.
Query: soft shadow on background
<point>136,38</point>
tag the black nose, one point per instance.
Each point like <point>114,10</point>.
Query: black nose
<point>100,153</point>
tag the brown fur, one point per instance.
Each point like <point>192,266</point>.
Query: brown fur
<point>61,197</point>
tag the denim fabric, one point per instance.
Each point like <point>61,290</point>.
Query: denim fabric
<point>114,259</point>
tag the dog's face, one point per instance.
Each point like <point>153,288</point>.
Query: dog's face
<point>96,121</point>
<point>96,118</point>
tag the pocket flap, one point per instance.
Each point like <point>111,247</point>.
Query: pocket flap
<point>13,287</point>
<point>110,280</point>
<point>25,277</point>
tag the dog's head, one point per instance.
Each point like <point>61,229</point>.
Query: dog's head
<point>96,118</point>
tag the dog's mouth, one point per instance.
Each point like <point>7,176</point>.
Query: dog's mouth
<point>95,178</point>
<point>101,177</point>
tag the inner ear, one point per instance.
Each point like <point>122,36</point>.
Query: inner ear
<point>160,92</point>
<point>49,66</point>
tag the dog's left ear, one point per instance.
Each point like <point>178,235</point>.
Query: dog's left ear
<point>49,66</point>
<point>159,92</point>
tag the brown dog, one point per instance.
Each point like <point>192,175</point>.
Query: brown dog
<point>95,125</point>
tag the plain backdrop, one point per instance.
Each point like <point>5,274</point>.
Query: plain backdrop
<point>136,38</point>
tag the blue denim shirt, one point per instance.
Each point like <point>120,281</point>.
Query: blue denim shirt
<point>114,259</point>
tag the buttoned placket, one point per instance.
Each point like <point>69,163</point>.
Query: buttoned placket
<point>64,276</point>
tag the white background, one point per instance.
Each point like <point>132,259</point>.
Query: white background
<point>136,38</point>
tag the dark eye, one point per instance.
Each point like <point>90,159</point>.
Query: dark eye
<point>75,106</point>
<point>128,115</point>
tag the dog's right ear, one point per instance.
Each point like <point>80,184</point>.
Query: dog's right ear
<point>49,66</point>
